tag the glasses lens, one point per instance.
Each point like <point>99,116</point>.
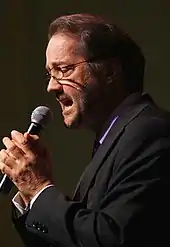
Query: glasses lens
<point>58,74</point>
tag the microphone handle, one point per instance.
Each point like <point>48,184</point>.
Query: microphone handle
<point>5,183</point>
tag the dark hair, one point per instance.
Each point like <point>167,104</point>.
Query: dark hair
<point>100,41</point>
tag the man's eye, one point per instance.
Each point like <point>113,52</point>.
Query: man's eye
<point>66,69</point>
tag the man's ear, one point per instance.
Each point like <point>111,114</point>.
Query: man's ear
<point>114,72</point>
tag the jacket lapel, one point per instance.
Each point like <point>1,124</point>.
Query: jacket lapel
<point>110,141</point>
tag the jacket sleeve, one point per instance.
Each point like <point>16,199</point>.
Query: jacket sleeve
<point>132,210</point>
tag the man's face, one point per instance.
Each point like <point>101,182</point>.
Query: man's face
<point>77,91</point>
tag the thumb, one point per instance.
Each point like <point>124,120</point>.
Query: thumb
<point>31,138</point>
<point>35,143</point>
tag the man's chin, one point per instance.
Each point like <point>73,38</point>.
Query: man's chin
<point>72,122</point>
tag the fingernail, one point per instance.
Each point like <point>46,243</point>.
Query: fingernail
<point>14,133</point>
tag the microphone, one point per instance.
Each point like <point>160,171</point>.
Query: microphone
<point>40,117</point>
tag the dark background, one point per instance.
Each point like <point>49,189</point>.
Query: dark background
<point>23,38</point>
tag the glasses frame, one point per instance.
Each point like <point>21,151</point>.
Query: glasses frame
<point>70,67</point>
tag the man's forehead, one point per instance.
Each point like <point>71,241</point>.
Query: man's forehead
<point>60,43</point>
<point>60,49</point>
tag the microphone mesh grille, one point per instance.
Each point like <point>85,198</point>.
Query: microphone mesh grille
<point>41,115</point>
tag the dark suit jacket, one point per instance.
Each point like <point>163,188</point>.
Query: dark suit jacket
<point>122,198</point>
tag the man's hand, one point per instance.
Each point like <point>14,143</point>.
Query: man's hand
<point>27,163</point>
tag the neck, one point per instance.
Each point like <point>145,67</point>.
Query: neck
<point>103,113</point>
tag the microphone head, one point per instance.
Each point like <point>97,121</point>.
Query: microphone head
<point>41,115</point>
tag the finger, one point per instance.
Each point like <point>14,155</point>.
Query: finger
<point>21,142</point>
<point>34,141</point>
<point>12,149</point>
<point>3,155</point>
<point>2,167</point>
<point>6,159</point>
<point>8,143</point>
<point>5,169</point>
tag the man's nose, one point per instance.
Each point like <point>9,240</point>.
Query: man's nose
<point>54,85</point>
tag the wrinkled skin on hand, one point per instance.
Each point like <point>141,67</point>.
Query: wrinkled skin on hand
<point>27,163</point>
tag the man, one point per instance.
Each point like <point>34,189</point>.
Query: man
<point>96,73</point>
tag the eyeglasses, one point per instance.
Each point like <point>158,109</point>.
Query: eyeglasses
<point>64,71</point>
